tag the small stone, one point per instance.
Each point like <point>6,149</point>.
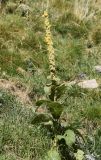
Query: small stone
<point>91,84</point>
<point>90,157</point>
<point>81,76</point>
<point>98,68</point>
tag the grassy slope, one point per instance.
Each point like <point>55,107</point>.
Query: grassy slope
<point>21,41</point>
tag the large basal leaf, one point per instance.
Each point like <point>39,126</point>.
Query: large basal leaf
<point>40,118</point>
<point>69,137</point>
<point>41,102</point>
<point>53,154</point>
<point>56,109</point>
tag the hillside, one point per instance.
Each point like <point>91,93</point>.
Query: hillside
<point>67,48</point>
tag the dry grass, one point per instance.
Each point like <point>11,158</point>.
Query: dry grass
<point>86,9</point>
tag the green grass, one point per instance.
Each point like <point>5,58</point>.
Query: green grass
<point>18,138</point>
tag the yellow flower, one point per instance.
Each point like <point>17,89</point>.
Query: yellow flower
<point>49,42</point>
<point>45,14</point>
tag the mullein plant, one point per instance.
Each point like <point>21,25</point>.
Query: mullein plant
<point>51,57</point>
<point>63,138</point>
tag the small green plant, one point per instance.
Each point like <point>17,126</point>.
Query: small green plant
<point>65,139</point>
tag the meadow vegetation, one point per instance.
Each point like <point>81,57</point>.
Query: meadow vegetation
<point>24,61</point>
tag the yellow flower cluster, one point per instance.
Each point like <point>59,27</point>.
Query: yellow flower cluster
<point>49,42</point>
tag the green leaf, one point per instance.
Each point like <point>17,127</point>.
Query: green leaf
<point>53,154</point>
<point>40,118</point>
<point>41,102</point>
<point>56,109</point>
<point>79,155</point>
<point>60,90</point>
<point>52,93</point>
<point>59,137</point>
<point>69,137</point>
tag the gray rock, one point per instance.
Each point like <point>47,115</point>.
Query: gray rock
<point>90,84</point>
<point>90,157</point>
<point>98,68</point>
<point>82,76</point>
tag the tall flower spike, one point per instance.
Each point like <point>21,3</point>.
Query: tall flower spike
<point>50,49</point>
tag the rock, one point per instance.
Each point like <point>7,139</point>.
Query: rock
<point>98,68</point>
<point>90,157</point>
<point>91,84</point>
<point>82,76</point>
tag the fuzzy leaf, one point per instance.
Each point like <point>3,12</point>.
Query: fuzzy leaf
<point>40,118</point>
<point>79,155</point>
<point>53,154</point>
<point>56,109</point>
<point>60,90</point>
<point>59,137</point>
<point>41,102</point>
<point>69,137</point>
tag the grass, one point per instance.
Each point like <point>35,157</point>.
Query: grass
<point>22,45</point>
<point>18,138</point>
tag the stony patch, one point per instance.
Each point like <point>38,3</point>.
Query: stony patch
<point>90,84</point>
<point>98,68</point>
